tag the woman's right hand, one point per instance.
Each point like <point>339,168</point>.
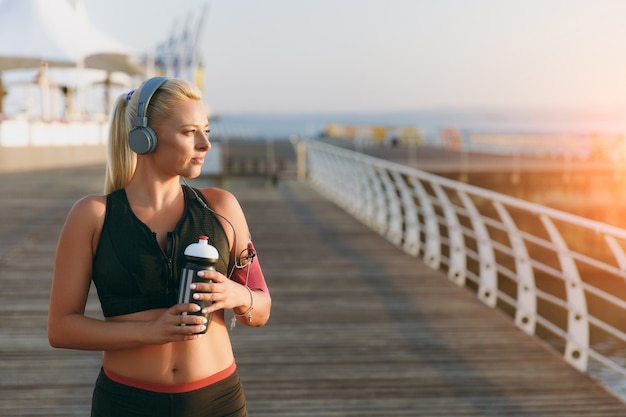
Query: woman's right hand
<point>174,326</point>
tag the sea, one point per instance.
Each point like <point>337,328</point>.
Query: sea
<point>429,122</point>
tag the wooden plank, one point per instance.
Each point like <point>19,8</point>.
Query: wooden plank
<point>358,328</point>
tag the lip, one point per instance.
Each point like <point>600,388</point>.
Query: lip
<point>198,160</point>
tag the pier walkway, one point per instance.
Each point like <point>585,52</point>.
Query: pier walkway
<point>358,327</point>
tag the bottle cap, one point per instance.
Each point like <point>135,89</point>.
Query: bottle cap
<point>202,249</point>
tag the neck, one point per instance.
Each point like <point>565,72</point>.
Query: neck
<point>154,194</point>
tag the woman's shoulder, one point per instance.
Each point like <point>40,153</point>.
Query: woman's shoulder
<point>221,200</point>
<point>89,207</point>
<point>91,201</point>
<point>219,196</point>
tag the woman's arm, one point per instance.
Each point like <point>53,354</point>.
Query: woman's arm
<point>233,294</point>
<point>68,327</point>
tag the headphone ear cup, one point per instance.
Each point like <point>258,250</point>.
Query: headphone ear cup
<point>142,140</point>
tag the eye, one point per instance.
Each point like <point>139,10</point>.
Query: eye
<point>207,131</point>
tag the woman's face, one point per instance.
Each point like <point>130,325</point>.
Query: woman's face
<point>183,140</point>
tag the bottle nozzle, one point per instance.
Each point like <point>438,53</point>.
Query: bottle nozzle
<point>202,249</point>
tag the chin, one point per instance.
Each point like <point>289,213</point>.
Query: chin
<point>195,173</point>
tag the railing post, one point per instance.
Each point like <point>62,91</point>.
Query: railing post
<point>379,217</point>
<point>411,239</point>
<point>526,311</point>
<point>577,344</point>
<point>394,212</point>
<point>617,252</point>
<point>432,244</point>
<point>488,287</point>
<point>457,264</point>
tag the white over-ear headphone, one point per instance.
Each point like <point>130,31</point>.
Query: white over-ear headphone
<point>141,138</point>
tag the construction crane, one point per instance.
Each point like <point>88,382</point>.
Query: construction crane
<point>180,55</point>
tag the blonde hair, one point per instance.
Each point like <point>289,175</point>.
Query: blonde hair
<point>121,160</point>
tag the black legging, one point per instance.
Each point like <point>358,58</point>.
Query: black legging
<point>221,399</point>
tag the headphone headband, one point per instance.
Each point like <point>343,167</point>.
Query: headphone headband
<point>145,95</point>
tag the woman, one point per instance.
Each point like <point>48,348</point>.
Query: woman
<point>130,242</point>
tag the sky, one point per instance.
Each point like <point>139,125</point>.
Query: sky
<point>299,56</point>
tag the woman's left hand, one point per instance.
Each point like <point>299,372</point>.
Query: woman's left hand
<point>223,292</point>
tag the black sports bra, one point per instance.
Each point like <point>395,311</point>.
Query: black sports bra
<point>130,270</point>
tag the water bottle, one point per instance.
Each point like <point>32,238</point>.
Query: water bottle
<point>199,256</point>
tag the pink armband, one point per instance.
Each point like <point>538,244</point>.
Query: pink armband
<point>256,280</point>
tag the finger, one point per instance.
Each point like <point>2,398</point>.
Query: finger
<point>191,320</point>
<point>212,275</point>
<point>191,325</point>
<point>214,307</point>
<point>189,333</point>
<point>192,329</point>
<point>184,308</point>
<point>202,286</point>
<point>204,296</point>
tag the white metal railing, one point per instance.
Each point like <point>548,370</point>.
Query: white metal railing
<point>559,276</point>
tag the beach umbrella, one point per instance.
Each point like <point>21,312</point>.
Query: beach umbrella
<point>27,36</point>
<point>58,33</point>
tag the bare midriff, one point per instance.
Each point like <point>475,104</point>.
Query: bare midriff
<point>175,362</point>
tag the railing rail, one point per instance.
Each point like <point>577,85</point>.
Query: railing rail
<point>561,277</point>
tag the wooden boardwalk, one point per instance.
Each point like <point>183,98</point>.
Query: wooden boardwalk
<point>358,328</point>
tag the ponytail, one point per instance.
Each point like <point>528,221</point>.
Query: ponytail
<point>121,160</point>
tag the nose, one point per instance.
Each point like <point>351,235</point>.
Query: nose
<point>202,141</point>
